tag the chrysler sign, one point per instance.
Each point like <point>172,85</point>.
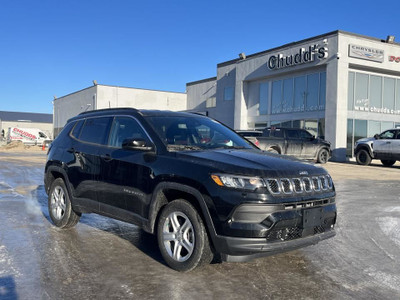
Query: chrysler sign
<point>366,53</point>
<point>301,56</point>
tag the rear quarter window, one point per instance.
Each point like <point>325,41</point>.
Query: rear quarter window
<point>77,129</point>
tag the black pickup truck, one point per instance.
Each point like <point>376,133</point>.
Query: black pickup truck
<point>291,141</point>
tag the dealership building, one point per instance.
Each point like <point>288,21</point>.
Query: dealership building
<point>341,86</point>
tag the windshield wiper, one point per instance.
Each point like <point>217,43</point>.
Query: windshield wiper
<point>183,147</point>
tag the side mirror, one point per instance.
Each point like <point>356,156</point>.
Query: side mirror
<point>137,144</point>
<point>376,136</point>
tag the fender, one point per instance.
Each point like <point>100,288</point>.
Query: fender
<point>58,169</point>
<point>157,202</point>
<point>365,147</point>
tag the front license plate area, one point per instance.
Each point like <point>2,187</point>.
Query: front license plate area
<point>312,217</point>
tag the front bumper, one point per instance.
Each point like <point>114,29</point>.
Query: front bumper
<point>244,249</point>
<point>257,230</point>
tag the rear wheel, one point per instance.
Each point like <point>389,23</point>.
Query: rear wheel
<point>388,163</point>
<point>323,156</point>
<point>363,157</point>
<point>182,237</point>
<point>60,208</point>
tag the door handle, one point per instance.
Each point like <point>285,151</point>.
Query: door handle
<point>106,157</point>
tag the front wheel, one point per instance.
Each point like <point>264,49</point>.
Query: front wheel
<point>182,237</point>
<point>388,163</point>
<point>60,208</point>
<point>363,157</point>
<point>323,156</point>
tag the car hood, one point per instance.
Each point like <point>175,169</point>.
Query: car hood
<point>251,163</point>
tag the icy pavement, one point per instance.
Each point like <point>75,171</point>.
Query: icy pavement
<point>106,259</point>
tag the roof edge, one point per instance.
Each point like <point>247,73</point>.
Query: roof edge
<point>201,81</point>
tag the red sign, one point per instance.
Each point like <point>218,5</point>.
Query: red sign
<point>24,134</point>
<point>394,58</point>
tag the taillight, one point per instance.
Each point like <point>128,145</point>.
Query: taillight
<point>257,143</point>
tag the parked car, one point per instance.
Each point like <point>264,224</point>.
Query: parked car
<point>384,146</point>
<point>293,141</point>
<point>247,133</point>
<point>196,184</point>
<point>250,135</point>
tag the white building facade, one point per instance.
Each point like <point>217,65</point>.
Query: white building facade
<point>339,85</point>
<point>101,96</point>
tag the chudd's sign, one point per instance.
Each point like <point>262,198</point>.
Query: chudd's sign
<point>302,56</point>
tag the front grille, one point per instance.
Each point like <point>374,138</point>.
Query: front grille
<point>308,204</point>
<point>273,186</point>
<point>288,186</point>
<point>292,233</point>
<point>285,234</point>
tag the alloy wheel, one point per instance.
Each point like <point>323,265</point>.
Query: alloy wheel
<point>58,203</point>
<point>178,236</point>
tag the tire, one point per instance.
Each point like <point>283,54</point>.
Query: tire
<point>59,204</point>
<point>387,163</point>
<point>363,157</point>
<point>323,156</point>
<point>182,237</point>
<point>273,150</point>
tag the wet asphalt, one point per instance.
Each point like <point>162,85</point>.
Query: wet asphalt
<point>102,258</point>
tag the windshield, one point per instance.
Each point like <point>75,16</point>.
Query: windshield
<point>195,133</point>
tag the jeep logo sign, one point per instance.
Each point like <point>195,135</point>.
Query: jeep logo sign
<point>301,57</point>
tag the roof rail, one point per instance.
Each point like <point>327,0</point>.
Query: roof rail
<point>108,109</point>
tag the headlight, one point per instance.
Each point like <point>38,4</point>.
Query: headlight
<point>238,182</point>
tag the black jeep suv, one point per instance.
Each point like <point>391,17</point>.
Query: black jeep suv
<point>196,184</point>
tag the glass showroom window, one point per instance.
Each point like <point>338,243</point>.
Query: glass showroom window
<point>374,127</point>
<point>375,91</point>
<point>312,99</point>
<point>276,101</point>
<point>228,93</point>
<point>361,100</point>
<point>302,93</point>
<point>263,103</point>
<point>388,92</point>
<point>287,95</point>
<point>398,94</point>
<point>350,141</point>
<point>322,90</point>
<point>350,92</point>
<point>299,93</point>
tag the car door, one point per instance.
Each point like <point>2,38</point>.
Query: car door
<point>383,146</point>
<point>310,144</point>
<point>294,143</point>
<point>396,146</point>
<point>84,167</point>
<point>125,174</point>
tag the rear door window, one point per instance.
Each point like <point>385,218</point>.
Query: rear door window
<point>95,130</point>
<point>293,134</point>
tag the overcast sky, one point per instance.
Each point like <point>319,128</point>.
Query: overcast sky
<point>53,48</point>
